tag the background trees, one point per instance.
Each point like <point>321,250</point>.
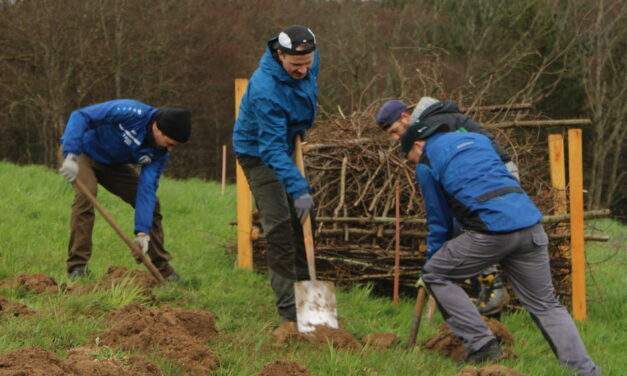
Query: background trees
<point>567,57</point>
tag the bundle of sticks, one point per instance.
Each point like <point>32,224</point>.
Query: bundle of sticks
<point>353,169</point>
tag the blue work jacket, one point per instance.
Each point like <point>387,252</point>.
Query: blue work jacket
<point>461,176</point>
<point>273,110</point>
<point>112,133</point>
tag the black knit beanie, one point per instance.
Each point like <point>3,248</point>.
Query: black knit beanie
<point>175,123</point>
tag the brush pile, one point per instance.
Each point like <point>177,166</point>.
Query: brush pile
<point>354,170</point>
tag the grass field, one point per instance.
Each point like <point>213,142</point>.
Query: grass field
<point>34,226</point>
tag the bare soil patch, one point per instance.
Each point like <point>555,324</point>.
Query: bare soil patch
<point>339,338</point>
<point>36,361</point>
<point>447,344</point>
<point>177,334</point>
<point>12,309</point>
<point>38,283</point>
<point>284,368</point>
<point>491,370</point>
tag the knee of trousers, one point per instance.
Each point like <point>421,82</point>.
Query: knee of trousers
<point>281,254</point>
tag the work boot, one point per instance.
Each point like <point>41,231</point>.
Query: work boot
<point>169,274</point>
<point>490,352</point>
<point>492,295</point>
<point>78,271</point>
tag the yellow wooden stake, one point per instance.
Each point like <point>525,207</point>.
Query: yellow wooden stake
<point>244,219</point>
<point>558,172</point>
<point>578,260</point>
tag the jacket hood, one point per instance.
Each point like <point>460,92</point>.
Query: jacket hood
<point>444,107</point>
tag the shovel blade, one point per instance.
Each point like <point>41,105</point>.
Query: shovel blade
<point>315,305</point>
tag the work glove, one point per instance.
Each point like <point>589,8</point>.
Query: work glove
<point>303,206</point>
<point>69,168</point>
<point>142,239</point>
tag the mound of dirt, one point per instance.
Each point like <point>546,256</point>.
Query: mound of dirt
<point>11,309</point>
<point>176,333</point>
<point>116,275</point>
<point>492,370</point>
<point>284,368</point>
<point>339,338</point>
<point>38,283</point>
<point>447,344</point>
<point>39,362</point>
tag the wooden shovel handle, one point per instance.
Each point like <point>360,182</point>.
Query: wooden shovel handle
<point>307,230</point>
<point>135,250</point>
<point>415,325</point>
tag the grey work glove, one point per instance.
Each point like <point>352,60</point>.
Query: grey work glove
<point>142,239</point>
<point>69,168</point>
<point>303,206</point>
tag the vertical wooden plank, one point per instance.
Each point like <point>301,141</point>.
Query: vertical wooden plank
<point>397,253</point>
<point>558,172</point>
<point>244,202</point>
<point>575,175</point>
<point>223,169</point>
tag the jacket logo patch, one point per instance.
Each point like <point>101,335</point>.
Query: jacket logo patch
<point>128,136</point>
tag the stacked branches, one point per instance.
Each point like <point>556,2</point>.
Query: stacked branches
<point>353,169</point>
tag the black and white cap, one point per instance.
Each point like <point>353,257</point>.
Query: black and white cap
<point>295,36</point>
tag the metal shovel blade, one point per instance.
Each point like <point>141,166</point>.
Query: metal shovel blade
<point>315,305</point>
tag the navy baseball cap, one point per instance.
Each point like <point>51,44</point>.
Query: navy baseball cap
<point>418,131</point>
<point>389,113</point>
<point>295,36</point>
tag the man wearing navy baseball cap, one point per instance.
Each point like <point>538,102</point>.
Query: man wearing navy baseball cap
<point>279,103</point>
<point>462,178</point>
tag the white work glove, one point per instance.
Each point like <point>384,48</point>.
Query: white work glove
<point>303,206</point>
<point>69,168</point>
<point>142,239</point>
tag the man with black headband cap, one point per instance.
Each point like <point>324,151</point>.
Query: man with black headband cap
<point>279,103</point>
<point>100,144</point>
<point>461,176</point>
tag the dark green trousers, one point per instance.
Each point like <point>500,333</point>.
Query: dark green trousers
<point>286,250</point>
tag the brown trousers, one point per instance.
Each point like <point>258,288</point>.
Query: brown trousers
<point>121,180</point>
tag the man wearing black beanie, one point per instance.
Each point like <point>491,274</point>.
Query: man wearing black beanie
<point>100,144</point>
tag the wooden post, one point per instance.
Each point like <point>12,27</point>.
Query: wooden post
<point>223,169</point>
<point>397,253</point>
<point>558,172</point>
<point>575,176</point>
<point>244,202</point>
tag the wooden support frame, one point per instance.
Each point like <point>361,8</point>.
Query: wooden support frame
<point>575,179</point>
<point>244,201</point>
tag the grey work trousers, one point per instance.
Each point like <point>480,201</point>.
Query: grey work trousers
<point>121,180</point>
<point>524,257</point>
<point>286,249</point>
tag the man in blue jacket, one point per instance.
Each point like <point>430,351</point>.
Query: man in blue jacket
<point>394,117</point>
<point>461,176</point>
<point>279,103</point>
<point>100,144</point>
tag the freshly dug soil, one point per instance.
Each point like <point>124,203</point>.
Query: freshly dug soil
<point>177,334</point>
<point>380,341</point>
<point>284,368</point>
<point>39,362</point>
<point>11,309</point>
<point>38,283</point>
<point>491,370</point>
<point>339,338</point>
<point>447,344</point>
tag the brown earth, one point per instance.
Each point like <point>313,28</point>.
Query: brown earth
<point>38,283</point>
<point>492,370</point>
<point>177,334</point>
<point>79,362</point>
<point>11,309</point>
<point>339,338</point>
<point>284,368</point>
<point>447,344</point>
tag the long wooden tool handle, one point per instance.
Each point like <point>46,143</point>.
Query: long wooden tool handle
<point>415,325</point>
<point>307,230</point>
<point>136,252</point>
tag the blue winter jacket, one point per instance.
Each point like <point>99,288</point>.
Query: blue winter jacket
<point>112,133</point>
<point>460,175</point>
<point>273,110</point>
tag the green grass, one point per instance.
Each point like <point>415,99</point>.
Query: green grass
<point>34,227</point>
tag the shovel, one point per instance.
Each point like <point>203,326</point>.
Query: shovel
<point>415,325</point>
<point>315,300</point>
<point>135,250</point>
